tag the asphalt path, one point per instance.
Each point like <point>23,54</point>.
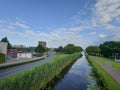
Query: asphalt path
<point>110,71</point>
<point>113,69</point>
<point>12,70</point>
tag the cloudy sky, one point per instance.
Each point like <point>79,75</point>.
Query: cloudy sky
<point>59,22</point>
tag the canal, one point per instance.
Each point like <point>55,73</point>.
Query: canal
<point>77,76</point>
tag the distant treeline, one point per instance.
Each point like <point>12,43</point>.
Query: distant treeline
<point>107,49</point>
<point>69,49</point>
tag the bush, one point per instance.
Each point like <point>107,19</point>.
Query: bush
<point>2,57</point>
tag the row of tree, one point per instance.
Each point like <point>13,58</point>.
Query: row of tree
<point>107,49</point>
<point>69,49</point>
<point>93,50</point>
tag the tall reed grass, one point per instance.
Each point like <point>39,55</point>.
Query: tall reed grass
<point>36,78</point>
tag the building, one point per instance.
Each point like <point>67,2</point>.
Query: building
<point>18,46</point>
<point>24,55</point>
<point>3,47</point>
<point>11,53</point>
<point>42,43</point>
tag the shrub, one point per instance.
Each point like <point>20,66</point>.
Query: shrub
<point>2,57</point>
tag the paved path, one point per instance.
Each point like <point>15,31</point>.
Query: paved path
<point>15,69</point>
<point>113,69</point>
<point>21,61</point>
<point>113,74</point>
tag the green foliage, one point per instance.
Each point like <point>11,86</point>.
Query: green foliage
<point>40,49</point>
<point>2,57</point>
<point>107,81</point>
<point>37,77</point>
<point>69,49</point>
<point>6,40</point>
<point>60,49</point>
<point>110,49</point>
<point>93,50</point>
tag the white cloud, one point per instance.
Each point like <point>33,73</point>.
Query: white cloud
<point>102,36</point>
<point>106,16</point>
<point>104,12</point>
<point>107,10</point>
<point>21,25</point>
<point>92,33</point>
<point>11,27</point>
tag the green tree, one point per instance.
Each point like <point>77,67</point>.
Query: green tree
<point>93,50</point>
<point>40,49</point>
<point>110,48</point>
<point>6,40</point>
<point>60,49</point>
<point>70,48</point>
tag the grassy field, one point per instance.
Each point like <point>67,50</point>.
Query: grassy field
<point>107,81</point>
<point>37,77</point>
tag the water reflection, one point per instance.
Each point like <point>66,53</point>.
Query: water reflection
<point>76,76</point>
<point>57,79</point>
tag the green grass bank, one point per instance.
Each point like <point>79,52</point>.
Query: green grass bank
<point>112,62</point>
<point>37,77</point>
<point>104,80</point>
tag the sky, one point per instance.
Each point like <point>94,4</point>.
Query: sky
<point>60,22</point>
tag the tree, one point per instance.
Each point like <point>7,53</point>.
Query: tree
<point>40,49</point>
<point>110,48</point>
<point>6,40</point>
<point>60,49</point>
<point>93,50</point>
<point>70,48</point>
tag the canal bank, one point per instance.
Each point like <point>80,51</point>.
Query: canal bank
<point>78,76</point>
<point>37,77</point>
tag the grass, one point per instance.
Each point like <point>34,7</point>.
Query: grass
<point>115,65</point>
<point>108,82</point>
<point>20,63</point>
<point>37,77</point>
<point>2,58</point>
<point>103,61</point>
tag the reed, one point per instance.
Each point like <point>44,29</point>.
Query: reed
<point>37,77</point>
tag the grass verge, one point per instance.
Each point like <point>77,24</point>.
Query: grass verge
<point>112,62</point>
<point>37,77</point>
<point>115,65</point>
<point>105,81</point>
<point>101,59</point>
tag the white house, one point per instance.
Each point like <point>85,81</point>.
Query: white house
<point>3,47</point>
<point>24,55</point>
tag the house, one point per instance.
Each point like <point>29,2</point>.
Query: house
<point>42,43</point>
<point>3,47</point>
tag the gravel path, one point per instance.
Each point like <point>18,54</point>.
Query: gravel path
<point>110,71</point>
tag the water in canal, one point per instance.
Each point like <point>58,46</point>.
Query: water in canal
<point>77,76</point>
